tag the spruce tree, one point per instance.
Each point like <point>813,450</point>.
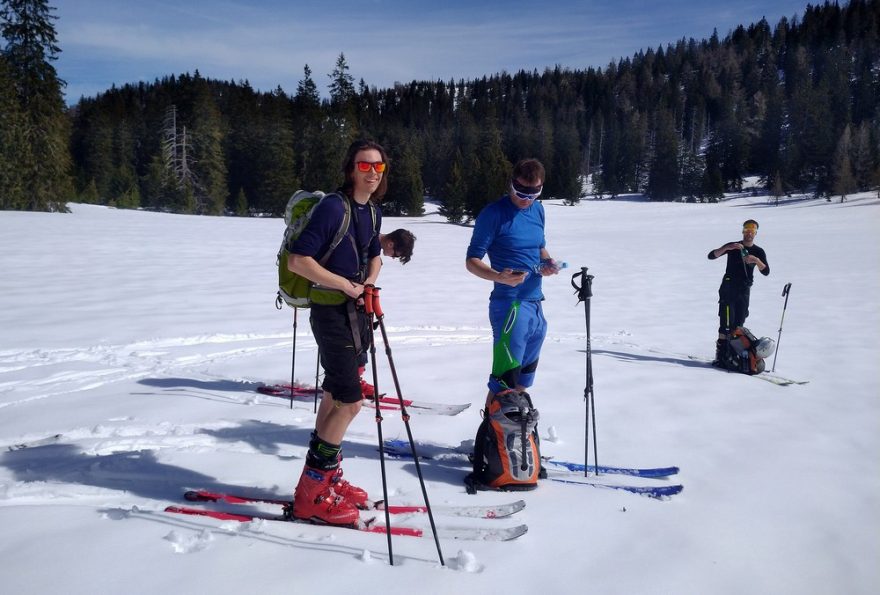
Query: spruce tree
<point>306,122</point>
<point>277,162</point>
<point>31,47</point>
<point>13,148</point>
<point>406,192</point>
<point>844,181</point>
<point>663,180</point>
<point>455,191</point>
<point>210,164</point>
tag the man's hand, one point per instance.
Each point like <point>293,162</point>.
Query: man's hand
<point>511,277</point>
<point>549,267</point>
<point>353,290</point>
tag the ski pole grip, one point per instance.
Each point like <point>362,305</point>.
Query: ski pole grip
<point>785,289</point>
<point>369,293</point>
<point>377,306</point>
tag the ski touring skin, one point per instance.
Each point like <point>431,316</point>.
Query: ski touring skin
<point>368,525</point>
<point>489,511</point>
<point>307,393</point>
<point>564,473</point>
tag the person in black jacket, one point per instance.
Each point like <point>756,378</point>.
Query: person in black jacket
<point>733,295</point>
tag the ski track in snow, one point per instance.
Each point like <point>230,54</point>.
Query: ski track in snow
<point>36,374</point>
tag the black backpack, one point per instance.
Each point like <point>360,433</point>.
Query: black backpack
<point>507,449</point>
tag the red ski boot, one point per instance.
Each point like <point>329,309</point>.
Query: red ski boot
<point>351,493</point>
<point>315,499</point>
<point>367,389</point>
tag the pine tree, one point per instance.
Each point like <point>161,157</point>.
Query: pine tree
<point>277,162</point>
<point>454,191</point>
<point>489,172</point>
<point>306,122</point>
<point>209,159</point>
<point>565,169</point>
<point>863,160</point>
<point>844,181</point>
<point>777,188</point>
<point>406,192</point>
<point>13,149</point>
<point>45,165</point>
<point>241,203</point>
<point>342,98</point>
<point>663,180</point>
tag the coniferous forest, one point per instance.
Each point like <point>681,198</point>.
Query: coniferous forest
<point>795,102</point>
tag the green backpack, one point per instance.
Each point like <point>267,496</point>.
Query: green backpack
<point>295,290</point>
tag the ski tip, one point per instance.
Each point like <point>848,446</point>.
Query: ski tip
<point>666,491</point>
<point>513,532</point>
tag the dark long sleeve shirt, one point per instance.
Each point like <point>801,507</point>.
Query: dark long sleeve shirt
<point>739,273</point>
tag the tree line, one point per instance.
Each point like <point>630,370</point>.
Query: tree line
<point>795,103</point>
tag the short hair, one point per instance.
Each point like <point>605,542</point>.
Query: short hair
<point>404,242</point>
<point>349,164</point>
<point>752,221</point>
<point>530,170</point>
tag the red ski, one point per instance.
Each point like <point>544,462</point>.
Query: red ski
<point>487,511</point>
<point>307,393</point>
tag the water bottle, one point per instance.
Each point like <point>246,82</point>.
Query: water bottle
<point>549,263</point>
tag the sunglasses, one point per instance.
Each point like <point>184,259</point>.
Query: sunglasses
<point>750,228</point>
<point>526,192</point>
<point>377,166</point>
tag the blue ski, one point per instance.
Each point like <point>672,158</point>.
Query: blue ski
<point>653,472</point>
<point>400,449</point>
<point>658,492</point>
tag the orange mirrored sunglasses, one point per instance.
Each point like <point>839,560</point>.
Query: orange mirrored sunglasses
<point>377,166</point>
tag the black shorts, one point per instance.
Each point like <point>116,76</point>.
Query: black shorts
<point>340,357</point>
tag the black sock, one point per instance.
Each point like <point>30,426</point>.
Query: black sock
<point>322,454</point>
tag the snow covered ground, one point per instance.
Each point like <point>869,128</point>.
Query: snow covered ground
<point>131,344</point>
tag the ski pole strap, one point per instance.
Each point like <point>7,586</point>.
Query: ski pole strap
<point>355,325</point>
<point>583,291</point>
<point>785,291</point>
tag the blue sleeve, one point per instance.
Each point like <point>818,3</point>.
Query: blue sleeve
<point>315,239</point>
<point>543,221</point>
<point>485,230</point>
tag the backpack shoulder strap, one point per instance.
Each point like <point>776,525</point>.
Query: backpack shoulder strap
<point>343,228</point>
<point>375,219</point>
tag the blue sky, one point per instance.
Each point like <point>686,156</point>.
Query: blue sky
<point>268,42</point>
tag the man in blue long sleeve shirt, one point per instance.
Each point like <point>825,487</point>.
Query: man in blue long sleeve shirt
<point>511,232</point>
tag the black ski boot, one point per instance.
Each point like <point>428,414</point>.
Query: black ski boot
<point>719,353</point>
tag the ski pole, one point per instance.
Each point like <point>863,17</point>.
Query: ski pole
<point>369,307</point>
<point>293,359</point>
<point>317,388</point>
<point>785,291</point>
<point>584,292</point>
<point>377,308</point>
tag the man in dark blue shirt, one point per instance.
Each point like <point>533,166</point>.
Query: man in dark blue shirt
<point>341,331</point>
<point>733,294</point>
<point>511,232</point>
